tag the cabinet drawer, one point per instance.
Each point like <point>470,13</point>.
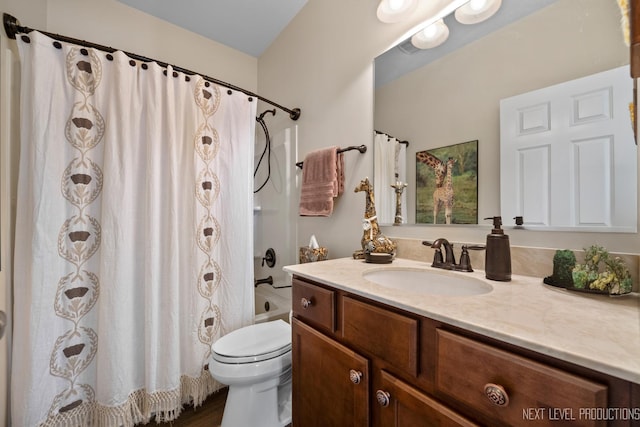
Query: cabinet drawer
<point>524,391</point>
<point>390,336</point>
<point>313,303</point>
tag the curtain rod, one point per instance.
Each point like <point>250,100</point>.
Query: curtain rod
<point>399,142</point>
<point>12,27</point>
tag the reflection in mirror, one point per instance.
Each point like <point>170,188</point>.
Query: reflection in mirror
<point>389,155</point>
<point>456,96</point>
<point>561,174</point>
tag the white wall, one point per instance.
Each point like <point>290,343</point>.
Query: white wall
<point>322,63</point>
<point>114,24</point>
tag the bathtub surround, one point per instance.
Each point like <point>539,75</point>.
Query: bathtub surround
<point>270,305</point>
<point>131,255</point>
<point>276,207</point>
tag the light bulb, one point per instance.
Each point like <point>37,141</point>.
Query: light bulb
<point>477,4</point>
<point>430,31</point>
<point>432,36</point>
<point>390,11</point>
<point>396,4</point>
<point>477,11</point>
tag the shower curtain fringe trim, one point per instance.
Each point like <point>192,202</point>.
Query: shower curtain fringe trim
<point>12,28</point>
<point>141,406</point>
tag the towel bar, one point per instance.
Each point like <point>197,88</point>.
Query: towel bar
<point>360,148</point>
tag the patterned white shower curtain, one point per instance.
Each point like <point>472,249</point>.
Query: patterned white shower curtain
<point>389,158</point>
<point>133,239</point>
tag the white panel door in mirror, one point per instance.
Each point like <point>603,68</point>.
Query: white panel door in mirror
<point>568,157</point>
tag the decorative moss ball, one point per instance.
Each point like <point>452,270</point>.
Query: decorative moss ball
<point>563,263</point>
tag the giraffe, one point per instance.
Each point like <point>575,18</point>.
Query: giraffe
<point>373,241</point>
<point>438,166</point>
<point>399,188</point>
<point>443,195</point>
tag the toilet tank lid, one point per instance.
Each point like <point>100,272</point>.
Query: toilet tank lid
<point>254,340</point>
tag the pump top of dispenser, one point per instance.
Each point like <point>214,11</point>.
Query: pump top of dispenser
<point>498,253</point>
<point>497,223</point>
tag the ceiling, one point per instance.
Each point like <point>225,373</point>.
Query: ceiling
<point>249,26</point>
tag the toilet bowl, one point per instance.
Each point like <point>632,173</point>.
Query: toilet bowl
<point>255,362</point>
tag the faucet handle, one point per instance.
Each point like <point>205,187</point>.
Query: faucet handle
<point>465,261</point>
<point>437,258</point>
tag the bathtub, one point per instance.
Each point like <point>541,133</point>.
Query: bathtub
<point>270,305</point>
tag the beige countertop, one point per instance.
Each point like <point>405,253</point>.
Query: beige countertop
<point>595,331</point>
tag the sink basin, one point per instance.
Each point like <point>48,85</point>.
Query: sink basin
<point>428,282</point>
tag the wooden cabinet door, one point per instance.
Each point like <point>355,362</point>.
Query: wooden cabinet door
<point>330,382</point>
<point>400,405</point>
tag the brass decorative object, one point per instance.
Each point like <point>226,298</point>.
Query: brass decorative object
<point>373,241</point>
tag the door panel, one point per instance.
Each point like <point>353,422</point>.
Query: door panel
<point>567,155</point>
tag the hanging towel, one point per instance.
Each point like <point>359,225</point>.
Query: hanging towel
<point>322,180</point>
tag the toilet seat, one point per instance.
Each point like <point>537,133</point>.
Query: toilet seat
<point>255,343</point>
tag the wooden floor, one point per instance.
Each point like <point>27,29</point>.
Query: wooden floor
<point>209,414</point>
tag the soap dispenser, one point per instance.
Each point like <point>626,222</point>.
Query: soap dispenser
<point>498,253</point>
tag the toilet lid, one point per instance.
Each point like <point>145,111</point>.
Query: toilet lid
<point>254,343</point>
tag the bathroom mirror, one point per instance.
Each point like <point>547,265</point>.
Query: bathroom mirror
<point>451,94</point>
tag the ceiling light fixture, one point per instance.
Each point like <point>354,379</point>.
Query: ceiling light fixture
<point>477,11</point>
<point>432,36</point>
<point>390,11</point>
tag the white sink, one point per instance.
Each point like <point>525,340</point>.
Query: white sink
<point>428,282</point>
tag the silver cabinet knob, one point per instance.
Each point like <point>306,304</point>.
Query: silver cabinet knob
<point>355,376</point>
<point>383,398</point>
<point>306,302</point>
<point>496,394</point>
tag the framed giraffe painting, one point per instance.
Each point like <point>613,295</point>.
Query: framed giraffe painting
<point>447,184</point>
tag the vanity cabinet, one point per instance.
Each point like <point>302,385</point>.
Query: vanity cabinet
<point>358,362</point>
<point>401,405</point>
<point>335,381</point>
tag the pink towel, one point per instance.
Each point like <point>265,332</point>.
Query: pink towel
<point>322,180</point>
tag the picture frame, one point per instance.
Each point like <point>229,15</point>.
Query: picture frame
<point>454,191</point>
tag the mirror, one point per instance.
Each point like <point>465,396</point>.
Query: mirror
<point>451,94</point>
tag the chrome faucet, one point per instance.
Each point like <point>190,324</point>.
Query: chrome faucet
<point>449,262</point>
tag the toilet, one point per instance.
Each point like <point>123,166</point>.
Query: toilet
<point>255,362</point>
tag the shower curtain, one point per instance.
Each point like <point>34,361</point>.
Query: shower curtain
<point>134,244</point>
<point>389,160</point>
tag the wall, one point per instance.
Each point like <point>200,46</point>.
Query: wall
<point>111,23</point>
<point>322,63</point>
